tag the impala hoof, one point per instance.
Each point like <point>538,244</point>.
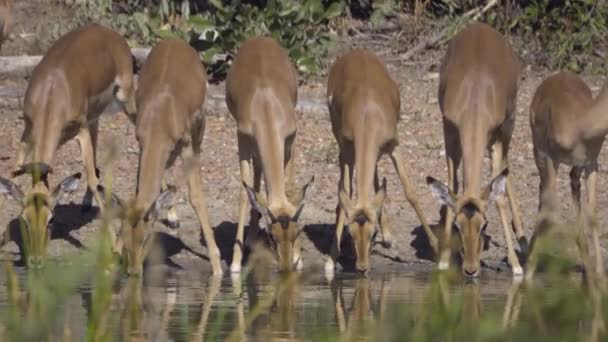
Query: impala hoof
<point>388,244</point>
<point>518,271</point>
<point>443,265</point>
<point>235,268</point>
<point>330,266</point>
<point>329,270</point>
<point>218,272</point>
<point>387,240</point>
<point>299,265</point>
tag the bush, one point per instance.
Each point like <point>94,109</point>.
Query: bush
<point>562,34</point>
<point>216,28</point>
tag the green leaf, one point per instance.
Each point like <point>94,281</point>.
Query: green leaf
<point>334,10</point>
<point>306,64</point>
<point>208,55</point>
<point>165,34</point>
<point>217,4</point>
<point>200,23</point>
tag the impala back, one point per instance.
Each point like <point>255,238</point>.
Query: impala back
<point>77,73</point>
<point>560,100</point>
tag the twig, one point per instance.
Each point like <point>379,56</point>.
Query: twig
<point>471,15</point>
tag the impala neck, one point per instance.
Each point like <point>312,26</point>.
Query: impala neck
<point>473,142</point>
<point>45,136</point>
<point>366,155</point>
<point>152,161</point>
<point>271,148</point>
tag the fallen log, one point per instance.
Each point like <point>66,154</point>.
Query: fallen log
<point>12,64</point>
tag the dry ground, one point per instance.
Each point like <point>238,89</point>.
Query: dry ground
<point>421,141</point>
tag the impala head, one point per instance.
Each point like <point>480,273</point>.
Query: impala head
<point>283,225</point>
<point>135,228</point>
<point>362,224</point>
<point>470,217</point>
<point>37,207</point>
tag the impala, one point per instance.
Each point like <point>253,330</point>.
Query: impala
<point>569,127</point>
<point>364,105</point>
<point>261,94</point>
<point>478,85</point>
<point>170,122</point>
<point>69,89</point>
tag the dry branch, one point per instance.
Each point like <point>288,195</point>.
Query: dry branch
<point>471,15</point>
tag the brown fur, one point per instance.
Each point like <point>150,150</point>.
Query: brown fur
<point>68,90</point>
<point>364,104</point>
<point>261,94</point>
<point>478,85</point>
<point>561,102</point>
<point>169,122</point>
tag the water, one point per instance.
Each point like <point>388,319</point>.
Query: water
<point>182,307</point>
<point>266,306</point>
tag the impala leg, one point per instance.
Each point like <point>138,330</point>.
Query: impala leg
<point>515,214</point>
<point>87,201</point>
<point>244,157</point>
<point>547,170</point>
<point>513,304</point>
<point>23,146</point>
<point>575,186</point>
<point>497,161</point>
<point>88,157</point>
<point>387,239</point>
<point>591,182</point>
<point>212,291</point>
<point>254,215</point>
<point>345,183</point>
<point>197,200</point>
<point>453,154</point>
<point>517,224</point>
<point>411,197</point>
<point>336,291</point>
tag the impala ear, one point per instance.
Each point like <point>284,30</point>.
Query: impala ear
<point>11,190</point>
<point>68,185</point>
<point>304,197</point>
<point>161,203</point>
<point>115,201</point>
<point>257,202</point>
<point>440,191</point>
<point>496,187</point>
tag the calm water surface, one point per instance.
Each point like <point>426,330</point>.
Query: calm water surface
<point>190,307</point>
